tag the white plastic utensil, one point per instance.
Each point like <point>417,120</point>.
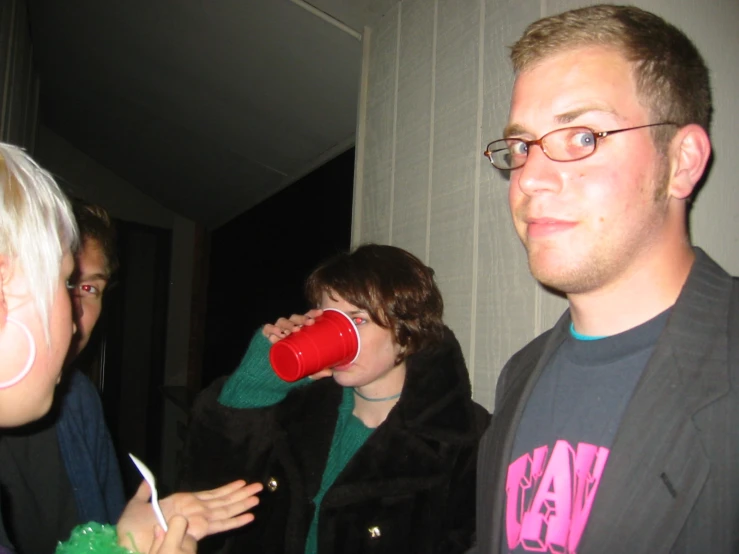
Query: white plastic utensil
<point>149,476</point>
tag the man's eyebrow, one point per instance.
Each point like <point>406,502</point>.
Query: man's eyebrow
<point>94,277</point>
<point>569,117</point>
<point>514,129</point>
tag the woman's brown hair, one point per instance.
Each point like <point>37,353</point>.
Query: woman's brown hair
<point>394,287</point>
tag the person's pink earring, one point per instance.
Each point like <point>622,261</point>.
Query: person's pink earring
<point>31,354</point>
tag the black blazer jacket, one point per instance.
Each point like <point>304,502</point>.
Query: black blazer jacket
<point>671,483</point>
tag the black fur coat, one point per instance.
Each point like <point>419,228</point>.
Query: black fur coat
<point>409,489</point>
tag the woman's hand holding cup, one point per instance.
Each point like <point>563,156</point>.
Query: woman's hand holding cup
<point>330,339</point>
<point>283,327</point>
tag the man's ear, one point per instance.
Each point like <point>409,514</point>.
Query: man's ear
<point>690,150</point>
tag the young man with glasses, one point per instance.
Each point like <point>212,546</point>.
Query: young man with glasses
<point>615,431</point>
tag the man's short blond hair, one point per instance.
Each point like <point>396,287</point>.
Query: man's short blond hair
<point>671,77</point>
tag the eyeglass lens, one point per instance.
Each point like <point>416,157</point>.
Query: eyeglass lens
<point>568,144</point>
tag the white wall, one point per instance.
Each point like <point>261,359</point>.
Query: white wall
<point>436,83</point>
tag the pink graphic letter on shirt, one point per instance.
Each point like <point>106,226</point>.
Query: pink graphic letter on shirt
<point>520,487</point>
<point>548,510</point>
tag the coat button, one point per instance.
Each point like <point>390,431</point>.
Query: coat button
<point>374,532</point>
<point>272,484</point>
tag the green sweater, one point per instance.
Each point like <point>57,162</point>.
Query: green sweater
<point>255,385</point>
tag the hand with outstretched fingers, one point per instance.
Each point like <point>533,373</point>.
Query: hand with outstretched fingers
<point>207,512</point>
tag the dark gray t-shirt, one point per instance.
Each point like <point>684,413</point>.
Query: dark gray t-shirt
<point>565,434</point>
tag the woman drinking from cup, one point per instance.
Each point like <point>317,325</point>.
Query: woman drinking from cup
<point>378,458</point>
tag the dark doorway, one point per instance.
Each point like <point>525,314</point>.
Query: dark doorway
<point>260,260</point>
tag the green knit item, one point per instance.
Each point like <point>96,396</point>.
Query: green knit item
<point>350,434</point>
<point>92,537</point>
<point>254,384</point>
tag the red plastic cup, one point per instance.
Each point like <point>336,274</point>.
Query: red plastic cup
<point>333,340</point>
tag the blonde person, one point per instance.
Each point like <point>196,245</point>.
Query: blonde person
<point>38,236</point>
<point>62,470</point>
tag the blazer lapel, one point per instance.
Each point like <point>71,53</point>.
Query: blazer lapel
<point>507,417</point>
<point>657,466</point>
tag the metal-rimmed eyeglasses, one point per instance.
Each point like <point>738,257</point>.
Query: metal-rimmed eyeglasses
<point>561,145</point>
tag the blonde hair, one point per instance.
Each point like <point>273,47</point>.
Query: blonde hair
<point>37,226</point>
<point>671,77</point>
